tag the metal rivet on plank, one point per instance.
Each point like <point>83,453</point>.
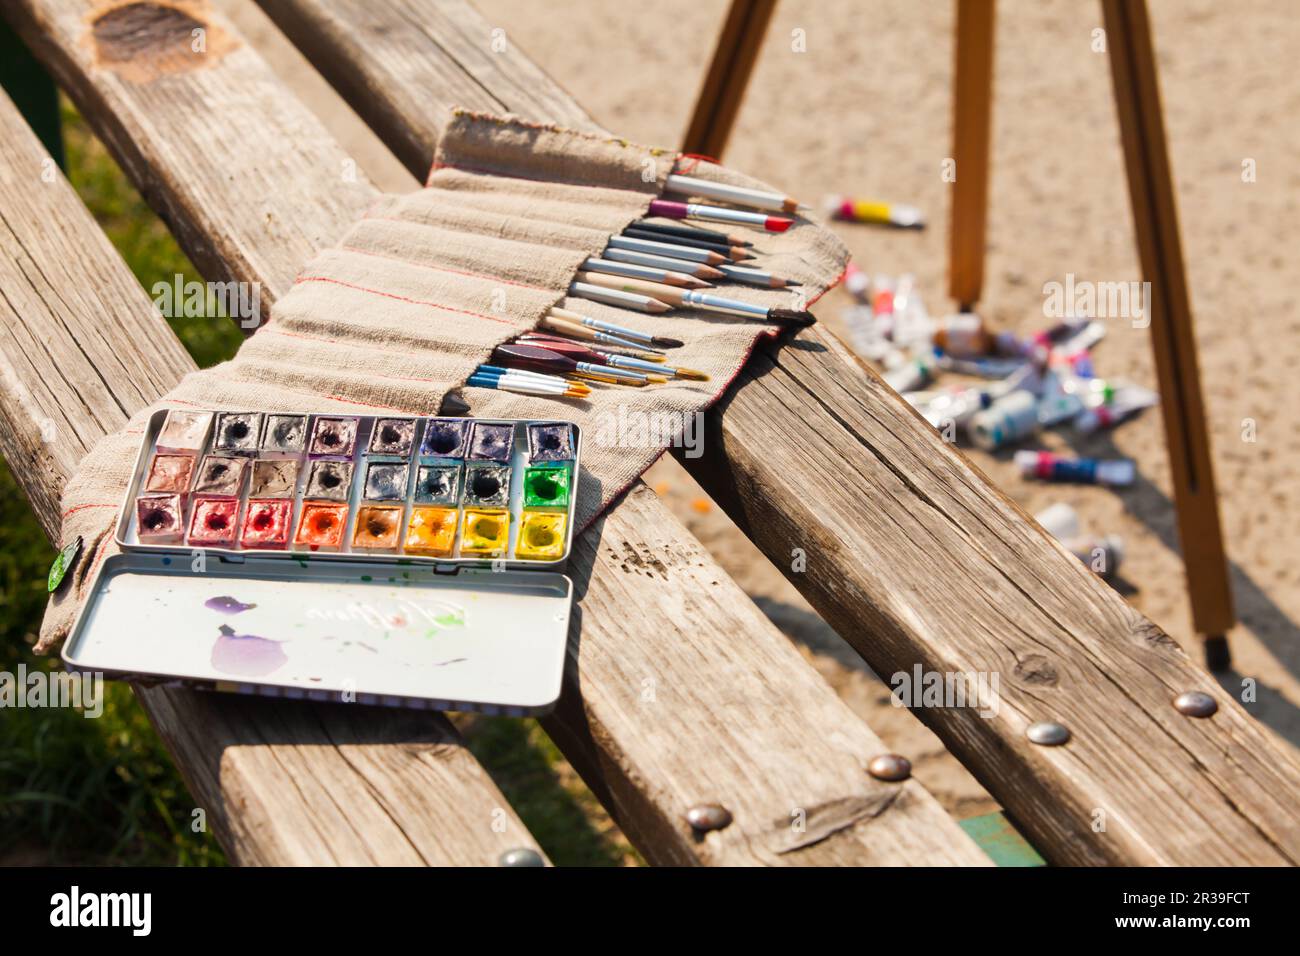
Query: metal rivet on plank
<point>1195,703</point>
<point>890,767</point>
<point>521,856</point>
<point>708,816</point>
<point>1048,733</point>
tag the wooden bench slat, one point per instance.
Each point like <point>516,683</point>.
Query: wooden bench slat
<point>791,744</point>
<point>82,347</point>
<point>916,558</point>
<point>385,40</point>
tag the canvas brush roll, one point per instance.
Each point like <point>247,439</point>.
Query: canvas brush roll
<point>420,292</point>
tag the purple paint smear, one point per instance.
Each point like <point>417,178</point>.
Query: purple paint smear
<point>246,655</point>
<point>227,605</point>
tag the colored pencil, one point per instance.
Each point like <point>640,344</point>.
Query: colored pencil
<point>636,336</point>
<point>666,276</point>
<point>691,232</point>
<point>660,247</point>
<point>691,298</point>
<point>728,253</point>
<point>741,196</point>
<point>697,269</point>
<point>598,292</point>
<point>670,209</point>
<point>756,277</point>
<point>524,386</point>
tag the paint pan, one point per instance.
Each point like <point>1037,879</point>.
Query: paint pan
<point>404,561</point>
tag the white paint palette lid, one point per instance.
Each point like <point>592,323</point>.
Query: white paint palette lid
<point>353,630</point>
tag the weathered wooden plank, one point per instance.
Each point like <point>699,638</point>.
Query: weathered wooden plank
<point>135,70</point>
<point>916,559</point>
<point>701,699</point>
<point>781,759</point>
<point>282,782</point>
<point>442,46</point>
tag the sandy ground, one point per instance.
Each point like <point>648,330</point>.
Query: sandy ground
<point>865,109</point>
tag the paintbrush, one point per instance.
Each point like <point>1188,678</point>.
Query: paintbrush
<point>689,298</point>
<point>542,360</point>
<point>623,331</point>
<point>562,326</point>
<point>579,352</point>
<point>542,337</point>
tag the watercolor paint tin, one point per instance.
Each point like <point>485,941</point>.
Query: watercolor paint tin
<point>404,636</point>
<point>360,584</point>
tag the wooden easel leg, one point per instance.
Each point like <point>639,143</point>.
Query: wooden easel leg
<point>1155,219</point>
<point>724,85</point>
<point>972,111</point>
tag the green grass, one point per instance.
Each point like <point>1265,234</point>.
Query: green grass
<point>104,791</point>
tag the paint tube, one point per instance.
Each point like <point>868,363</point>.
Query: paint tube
<point>1101,555</point>
<point>956,405</point>
<point>913,327</point>
<point>962,336</point>
<point>1059,520</point>
<point>911,375</point>
<point>1126,401</point>
<point>1057,403</point>
<point>1039,343</point>
<point>1046,466</point>
<point>857,283</point>
<point>864,338</point>
<point>1009,419</point>
<point>1027,377</point>
<point>1079,337</point>
<point>1078,364</point>
<point>990,367</point>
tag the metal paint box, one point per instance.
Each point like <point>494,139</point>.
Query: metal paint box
<point>481,625</point>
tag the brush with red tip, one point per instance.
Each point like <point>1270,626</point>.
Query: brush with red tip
<point>670,209</point>
<point>581,353</point>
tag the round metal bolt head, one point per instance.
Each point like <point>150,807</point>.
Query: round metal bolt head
<point>708,816</point>
<point>521,856</point>
<point>1195,703</point>
<point>1048,733</point>
<point>890,767</point>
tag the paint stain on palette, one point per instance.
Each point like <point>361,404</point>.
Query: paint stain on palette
<point>432,488</point>
<point>246,655</point>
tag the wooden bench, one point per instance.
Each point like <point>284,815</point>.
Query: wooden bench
<point>911,555</point>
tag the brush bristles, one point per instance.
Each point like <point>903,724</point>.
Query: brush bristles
<point>666,343</point>
<point>792,317</point>
<point>692,374</point>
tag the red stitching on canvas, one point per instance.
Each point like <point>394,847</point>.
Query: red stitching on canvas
<point>390,378</point>
<point>402,298</point>
<point>485,171</point>
<point>457,272</point>
<point>73,511</point>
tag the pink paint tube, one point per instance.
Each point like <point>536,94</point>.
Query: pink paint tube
<point>1046,466</point>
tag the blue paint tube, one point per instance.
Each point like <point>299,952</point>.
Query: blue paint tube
<point>1087,471</point>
